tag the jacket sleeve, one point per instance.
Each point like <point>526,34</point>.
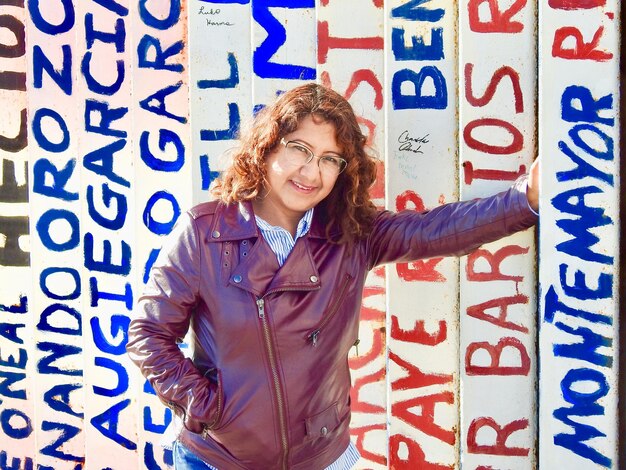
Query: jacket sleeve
<point>452,229</point>
<point>161,321</point>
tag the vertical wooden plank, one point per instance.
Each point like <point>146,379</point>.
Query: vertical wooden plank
<point>350,52</point>
<point>163,171</point>
<point>498,307</point>
<point>56,243</point>
<point>16,351</point>
<point>422,173</point>
<point>579,237</point>
<point>104,135</point>
<point>621,283</point>
<point>220,84</point>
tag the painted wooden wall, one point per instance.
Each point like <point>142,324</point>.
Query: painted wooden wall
<point>116,115</point>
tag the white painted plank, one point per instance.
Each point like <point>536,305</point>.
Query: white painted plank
<point>579,237</point>
<point>422,174</point>
<point>104,136</point>
<point>57,250</point>
<point>163,172</point>
<point>16,349</point>
<point>498,306</point>
<point>350,51</point>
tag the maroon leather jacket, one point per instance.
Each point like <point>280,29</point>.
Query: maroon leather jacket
<point>268,384</point>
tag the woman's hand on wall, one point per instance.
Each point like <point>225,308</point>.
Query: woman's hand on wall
<point>532,192</point>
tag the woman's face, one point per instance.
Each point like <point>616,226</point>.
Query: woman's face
<point>294,187</point>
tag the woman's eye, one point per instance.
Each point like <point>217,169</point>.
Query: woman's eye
<point>301,148</point>
<point>330,160</point>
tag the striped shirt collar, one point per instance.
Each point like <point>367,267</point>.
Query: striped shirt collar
<point>280,240</point>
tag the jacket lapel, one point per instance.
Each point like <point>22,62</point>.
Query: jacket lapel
<point>258,272</point>
<point>299,272</point>
<point>233,222</point>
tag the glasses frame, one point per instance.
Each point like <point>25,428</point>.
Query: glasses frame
<point>311,155</point>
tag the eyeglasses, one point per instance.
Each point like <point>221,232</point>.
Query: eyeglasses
<point>300,155</point>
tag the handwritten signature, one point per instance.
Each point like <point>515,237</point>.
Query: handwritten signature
<point>212,12</point>
<point>412,144</point>
<point>208,11</point>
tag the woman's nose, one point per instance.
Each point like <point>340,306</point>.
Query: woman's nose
<point>311,169</point>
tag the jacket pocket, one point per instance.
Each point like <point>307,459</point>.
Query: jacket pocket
<point>202,426</point>
<point>322,424</point>
<point>332,309</point>
<point>215,377</point>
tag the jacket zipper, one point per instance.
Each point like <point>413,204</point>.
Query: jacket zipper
<point>182,411</point>
<point>313,335</point>
<point>260,302</point>
<point>218,411</point>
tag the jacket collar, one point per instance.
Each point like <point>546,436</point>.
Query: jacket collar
<point>236,222</point>
<point>258,272</point>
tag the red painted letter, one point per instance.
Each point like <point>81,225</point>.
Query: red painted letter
<point>418,334</point>
<point>325,42</point>
<point>576,4</point>
<point>495,353</point>
<point>500,20</point>
<point>515,146</point>
<point>491,88</point>
<point>494,260</point>
<point>501,303</point>
<point>582,50</point>
<point>471,174</point>
<point>416,459</point>
<point>502,434</point>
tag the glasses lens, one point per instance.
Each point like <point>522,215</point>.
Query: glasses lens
<point>331,164</point>
<point>298,153</point>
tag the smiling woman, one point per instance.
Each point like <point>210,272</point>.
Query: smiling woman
<point>269,279</point>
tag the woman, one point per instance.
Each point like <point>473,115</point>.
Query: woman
<point>268,279</point>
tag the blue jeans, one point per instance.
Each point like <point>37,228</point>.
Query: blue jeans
<point>184,459</point>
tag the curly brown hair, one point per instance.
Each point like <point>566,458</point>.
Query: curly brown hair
<point>347,211</point>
